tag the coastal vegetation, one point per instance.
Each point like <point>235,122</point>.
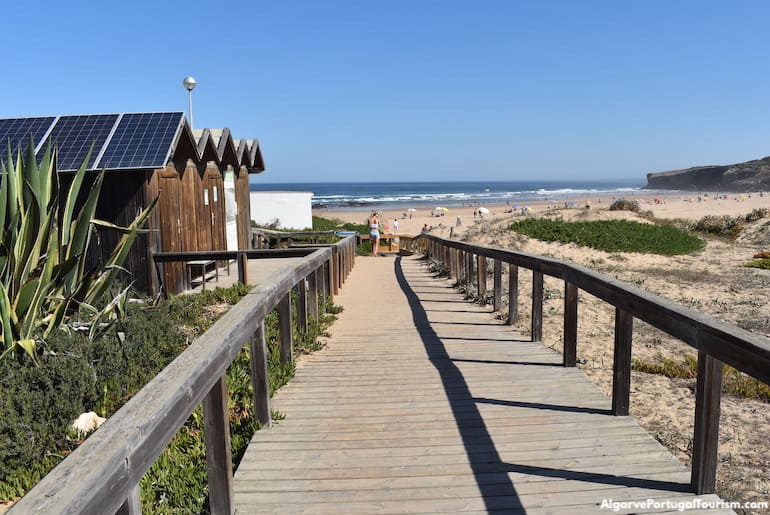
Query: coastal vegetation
<point>44,235</point>
<point>734,382</point>
<point>76,374</point>
<point>611,235</point>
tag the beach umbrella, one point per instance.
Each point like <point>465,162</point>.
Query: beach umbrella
<point>484,210</point>
<point>443,209</point>
<point>411,209</point>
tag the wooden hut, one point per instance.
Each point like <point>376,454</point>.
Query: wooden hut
<point>148,155</point>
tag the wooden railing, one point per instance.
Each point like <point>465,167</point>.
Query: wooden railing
<point>102,475</point>
<point>716,342</point>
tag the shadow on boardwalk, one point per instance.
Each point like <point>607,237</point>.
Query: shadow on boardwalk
<point>491,472</point>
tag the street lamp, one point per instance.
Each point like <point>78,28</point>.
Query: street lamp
<point>189,84</point>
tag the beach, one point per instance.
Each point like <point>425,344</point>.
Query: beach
<point>711,281</point>
<point>663,205</point>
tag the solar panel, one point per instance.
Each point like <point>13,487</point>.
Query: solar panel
<point>74,136</point>
<point>18,130</point>
<point>141,140</point>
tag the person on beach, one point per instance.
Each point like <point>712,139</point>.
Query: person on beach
<point>395,226</point>
<point>374,233</point>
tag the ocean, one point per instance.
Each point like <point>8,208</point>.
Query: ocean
<point>397,195</point>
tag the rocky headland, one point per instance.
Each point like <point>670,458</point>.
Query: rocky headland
<point>742,177</point>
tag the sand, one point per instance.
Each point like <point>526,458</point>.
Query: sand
<point>669,206</point>
<point>711,281</point>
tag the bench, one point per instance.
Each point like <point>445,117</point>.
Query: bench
<point>201,265</point>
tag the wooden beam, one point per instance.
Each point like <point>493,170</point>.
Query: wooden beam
<point>301,290</point>
<point>216,427</point>
<point>708,396</point>
<point>621,371</point>
<point>513,294</point>
<point>481,278</point>
<point>537,306</point>
<point>570,324</point>
<point>133,505</point>
<point>284,328</point>
<point>497,280</point>
<point>260,376</point>
<point>312,291</point>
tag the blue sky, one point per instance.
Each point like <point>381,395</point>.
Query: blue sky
<point>416,90</point>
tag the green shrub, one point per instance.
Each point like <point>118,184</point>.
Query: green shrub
<point>763,263</point>
<point>722,226</point>
<point>625,205</point>
<point>612,235</point>
<point>326,224</point>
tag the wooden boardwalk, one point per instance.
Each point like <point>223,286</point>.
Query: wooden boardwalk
<point>423,403</point>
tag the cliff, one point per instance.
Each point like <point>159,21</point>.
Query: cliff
<point>748,176</point>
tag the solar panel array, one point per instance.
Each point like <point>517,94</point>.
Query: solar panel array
<point>128,141</point>
<point>17,131</point>
<point>74,136</point>
<point>141,140</point>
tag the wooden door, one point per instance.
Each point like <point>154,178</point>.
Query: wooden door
<point>217,208</point>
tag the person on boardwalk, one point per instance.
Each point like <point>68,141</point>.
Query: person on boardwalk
<point>374,233</point>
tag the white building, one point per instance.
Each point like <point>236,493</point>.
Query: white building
<point>285,209</point>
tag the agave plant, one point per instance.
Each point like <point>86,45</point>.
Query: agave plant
<point>43,244</point>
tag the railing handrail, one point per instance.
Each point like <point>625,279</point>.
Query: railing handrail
<point>102,474</point>
<point>745,351</point>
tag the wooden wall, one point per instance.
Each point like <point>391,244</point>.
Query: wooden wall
<point>123,197</point>
<point>242,193</point>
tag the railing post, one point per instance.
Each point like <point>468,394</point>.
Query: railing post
<point>302,305</point>
<point>461,267</point>
<point>337,270</point>
<point>570,324</point>
<point>537,306</point>
<point>329,268</point>
<point>497,281</point>
<point>243,267</point>
<point>260,376</point>
<point>469,268</point>
<point>133,505</point>
<point>323,281</point>
<point>708,396</point>
<point>312,291</point>
<point>284,328</point>
<point>513,294</point>
<point>621,374</point>
<point>216,429</point>
<point>481,278</point>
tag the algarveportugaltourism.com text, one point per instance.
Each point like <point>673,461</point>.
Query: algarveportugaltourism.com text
<point>692,504</point>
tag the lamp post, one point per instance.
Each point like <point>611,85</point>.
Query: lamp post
<point>189,84</point>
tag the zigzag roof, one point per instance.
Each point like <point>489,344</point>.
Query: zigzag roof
<point>128,141</point>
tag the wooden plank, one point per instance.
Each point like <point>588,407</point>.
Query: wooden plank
<point>570,324</point>
<point>708,396</point>
<point>481,278</point>
<point>284,329</point>
<point>621,368</point>
<point>216,428</point>
<point>260,377</point>
<point>301,289</point>
<point>497,281</point>
<point>133,505</point>
<point>312,295</point>
<point>537,306</point>
<point>513,294</point>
